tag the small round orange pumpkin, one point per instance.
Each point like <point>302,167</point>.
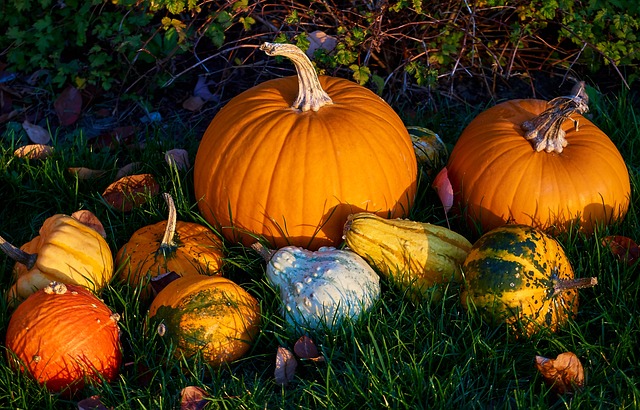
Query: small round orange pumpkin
<point>63,335</point>
<point>207,314</point>
<point>541,164</point>
<point>291,158</point>
<point>186,248</point>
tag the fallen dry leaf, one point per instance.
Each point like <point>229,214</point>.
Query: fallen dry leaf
<point>91,403</point>
<point>128,169</point>
<point>193,398</point>
<point>202,91</point>
<point>623,248</point>
<point>178,157</point>
<point>128,192</point>
<point>193,103</point>
<point>68,105</point>
<point>36,133</point>
<point>305,348</point>
<point>160,281</point>
<point>86,173</point>
<point>443,187</point>
<point>286,365</point>
<point>91,220</point>
<point>320,40</point>
<point>564,373</point>
<point>34,151</point>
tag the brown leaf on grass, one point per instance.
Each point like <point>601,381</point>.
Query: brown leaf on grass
<point>193,103</point>
<point>36,133</point>
<point>193,398</point>
<point>86,173</point>
<point>564,373</point>
<point>305,348</point>
<point>131,191</point>
<point>160,281</point>
<point>91,220</point>
<point>128,169</point>
<point>623,248</point>
<point>34,151</point>
<point>202,91</point>
<point>178,157</point>
<point>286,365</point>
<point>124,135</point>
<point>68,105</point>
<point>91,403</point>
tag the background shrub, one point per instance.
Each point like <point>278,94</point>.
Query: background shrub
<point>404,49</point>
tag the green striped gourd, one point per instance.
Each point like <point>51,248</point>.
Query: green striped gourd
<point>520,275</point>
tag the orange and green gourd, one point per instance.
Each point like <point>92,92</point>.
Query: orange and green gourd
<point>519,275</point>
<point>207,315</point>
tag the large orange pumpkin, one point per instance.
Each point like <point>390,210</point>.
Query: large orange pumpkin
<point>291,158</point>
<point>62,336</point>
<point>541,164</point>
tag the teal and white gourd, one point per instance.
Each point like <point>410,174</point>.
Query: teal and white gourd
<point>319,289</point>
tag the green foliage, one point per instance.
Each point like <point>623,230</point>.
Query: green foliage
<point>99,43</point>
<point>121,43</point>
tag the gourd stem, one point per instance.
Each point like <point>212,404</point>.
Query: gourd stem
<point>545,131</point>
<point>168,245</point>
<point>580,283</point>
<point>311,96</point>
<point>263,251</point>
<point>17,254</point>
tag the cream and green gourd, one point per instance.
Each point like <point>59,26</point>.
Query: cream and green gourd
<point>319,289</point>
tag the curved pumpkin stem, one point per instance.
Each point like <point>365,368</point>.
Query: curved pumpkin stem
<point>545,131</point>
<point>580,283</point>
<point>311,96</point>
<point>17,254</point>
<point>263,251</point>
<point>168,245</point>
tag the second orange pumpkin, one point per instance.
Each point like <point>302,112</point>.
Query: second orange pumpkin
<point>568,170</point>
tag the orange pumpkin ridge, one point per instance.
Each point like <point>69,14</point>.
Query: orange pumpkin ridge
<point>186,248</point>
<point>265,168</point>
<point>498,176</point>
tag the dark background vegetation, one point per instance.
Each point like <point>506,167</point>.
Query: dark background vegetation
<point>133,57</point>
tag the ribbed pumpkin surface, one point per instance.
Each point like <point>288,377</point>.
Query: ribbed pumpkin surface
<point>207,314</point>
<point>197,250</point>
<point>267,169</point>
<point>511,275</point>
<point>497,176</point>
<point>62,334</point>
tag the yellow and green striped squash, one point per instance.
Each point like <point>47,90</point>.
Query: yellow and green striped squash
<point>522,276</point>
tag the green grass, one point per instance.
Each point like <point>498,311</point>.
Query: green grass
<point>400,355</point>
